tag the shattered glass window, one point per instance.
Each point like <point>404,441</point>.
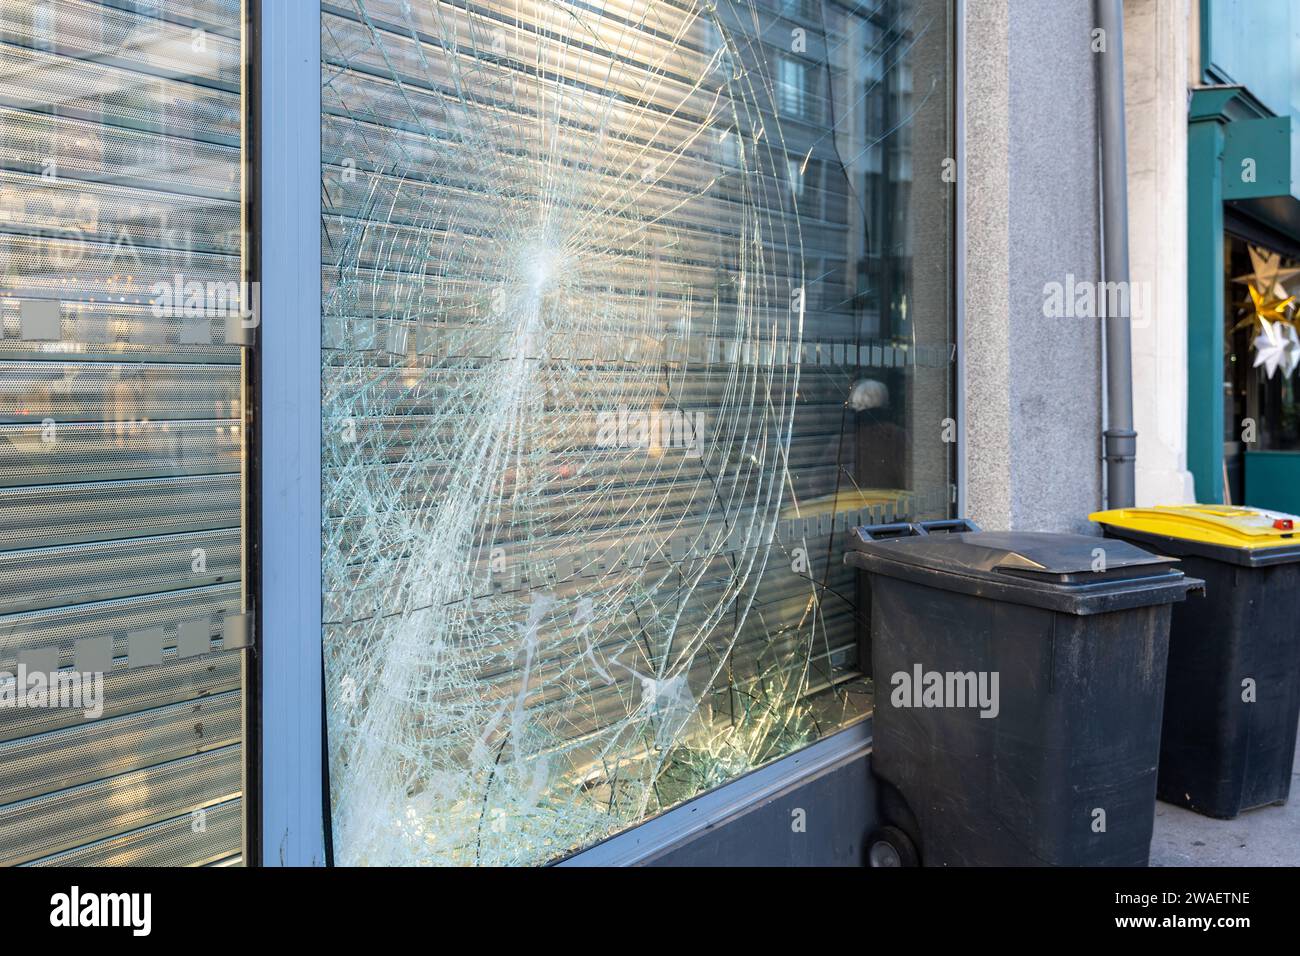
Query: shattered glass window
<point>620,338</point>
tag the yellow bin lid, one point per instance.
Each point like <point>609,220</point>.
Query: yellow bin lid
<point>1224,525</point>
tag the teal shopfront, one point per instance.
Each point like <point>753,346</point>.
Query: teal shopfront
<point>1243,443</point>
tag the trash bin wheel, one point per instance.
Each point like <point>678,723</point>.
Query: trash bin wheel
<point>890,846</point>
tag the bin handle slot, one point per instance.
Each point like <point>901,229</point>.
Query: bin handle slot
<point>883,532</point>
<point>948,526</point>
<point>914,529</point>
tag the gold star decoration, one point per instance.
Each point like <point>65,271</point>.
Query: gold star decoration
<point>1270,306</point>
<point>1269,302</point>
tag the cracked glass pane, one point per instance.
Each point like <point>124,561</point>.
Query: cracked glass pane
<point>622,331</point>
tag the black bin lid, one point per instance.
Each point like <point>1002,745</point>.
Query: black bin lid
<point>1054,571</point>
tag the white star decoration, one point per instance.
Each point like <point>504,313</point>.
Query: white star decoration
<point>1277,347</point>
<point>1269,275</point>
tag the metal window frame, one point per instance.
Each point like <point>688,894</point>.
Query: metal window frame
<point>683,831</point>
<point>292,818</point>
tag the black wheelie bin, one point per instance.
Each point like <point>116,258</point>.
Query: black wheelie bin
<point>1232,696</point>
<point>1019,681</point>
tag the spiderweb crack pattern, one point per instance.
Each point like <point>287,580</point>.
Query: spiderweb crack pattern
<point>541,216</point>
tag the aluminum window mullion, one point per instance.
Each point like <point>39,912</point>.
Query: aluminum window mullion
<point>291,792</point>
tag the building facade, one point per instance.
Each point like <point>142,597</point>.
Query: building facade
<point>438,425</point>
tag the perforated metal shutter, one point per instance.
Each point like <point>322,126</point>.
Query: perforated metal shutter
<point>122,428</point>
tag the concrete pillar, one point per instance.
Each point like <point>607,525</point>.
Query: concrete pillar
<point>1156,52</point>
<point>1033,384</point>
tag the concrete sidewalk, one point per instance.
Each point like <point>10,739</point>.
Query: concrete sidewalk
<point>1269,836</point>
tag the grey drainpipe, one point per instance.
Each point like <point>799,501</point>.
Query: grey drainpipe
<point>1119,440</point>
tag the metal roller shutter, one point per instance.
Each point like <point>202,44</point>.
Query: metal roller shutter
<point>122,429</point>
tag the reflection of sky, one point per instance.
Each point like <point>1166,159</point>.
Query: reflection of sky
<point>1257,44</point>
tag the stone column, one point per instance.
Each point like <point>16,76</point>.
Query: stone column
<point>1033,383</point>
<point>1156,57</point>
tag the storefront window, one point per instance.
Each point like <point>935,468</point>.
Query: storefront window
<point>1261,353</point>
<point>630,310</point>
